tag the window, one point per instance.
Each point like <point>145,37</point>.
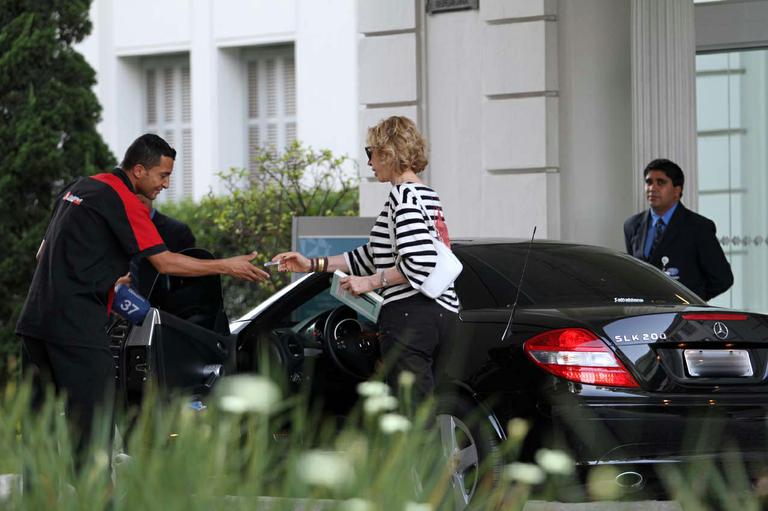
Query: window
<point>559,276</point>
<point>168,112</point>
<point>271,99</point>
<point>732,117</point>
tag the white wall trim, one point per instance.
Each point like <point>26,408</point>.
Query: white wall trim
<point>147,50</point>
<point>731,25</point>
<point>257,40</point>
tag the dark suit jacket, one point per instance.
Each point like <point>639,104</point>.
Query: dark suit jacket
<point>176,235</point>
<point>691,245</point>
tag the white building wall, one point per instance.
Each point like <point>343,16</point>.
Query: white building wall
<point>213,34</point>
<point>526,104</point>
<point>595,121</point>
<point>389,78</point>
<point>527,107</point>
<point>481,84</point>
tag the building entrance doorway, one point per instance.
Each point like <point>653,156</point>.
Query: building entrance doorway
<point>732,124</point>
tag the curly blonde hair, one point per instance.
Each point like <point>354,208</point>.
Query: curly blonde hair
<point>399,143</point>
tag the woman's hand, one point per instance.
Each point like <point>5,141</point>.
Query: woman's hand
<point>359,285</point>
<point>292,261</point>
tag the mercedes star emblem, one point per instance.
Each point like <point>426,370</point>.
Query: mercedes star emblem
<point>720,330</point>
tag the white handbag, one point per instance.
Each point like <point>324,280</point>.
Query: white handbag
<point>447,266</point>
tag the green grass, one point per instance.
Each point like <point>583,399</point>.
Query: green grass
<point>229,456</point>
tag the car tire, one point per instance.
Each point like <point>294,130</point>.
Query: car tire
<point>470,445</point>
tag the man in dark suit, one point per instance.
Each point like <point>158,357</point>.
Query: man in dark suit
<point>675,239</point>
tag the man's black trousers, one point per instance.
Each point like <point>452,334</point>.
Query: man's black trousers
<point>86,375</point>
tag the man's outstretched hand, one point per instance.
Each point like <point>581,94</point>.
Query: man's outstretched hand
<point>241,268</point>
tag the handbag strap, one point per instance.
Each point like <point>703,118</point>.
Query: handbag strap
<point>420,204</point>
<point>391,224</point>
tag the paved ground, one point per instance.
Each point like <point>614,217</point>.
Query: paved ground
<point>645,505</point>
<point>10,481</point>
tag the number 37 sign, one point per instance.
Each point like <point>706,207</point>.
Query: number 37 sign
<point>130,304</point>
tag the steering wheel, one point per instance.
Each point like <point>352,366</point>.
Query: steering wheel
<point>352,352</point>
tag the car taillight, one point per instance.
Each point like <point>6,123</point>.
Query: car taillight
<point>578,355</point>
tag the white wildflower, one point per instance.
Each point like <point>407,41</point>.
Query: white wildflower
<point>517,429</point>
<point>524,472</point>
<point>601,483</point>
<point>378,404</point>
<point>325,468</point>
<point>357,505</point>
<point>372,388</point>
<point>406,379</point>
<point>394,423</point>
<point>100,460</point>
<point>247,393</point>
<point>354,446</point>
<point>417,506</point>
<point>555,462</point>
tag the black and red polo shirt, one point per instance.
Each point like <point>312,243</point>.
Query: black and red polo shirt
<point>97,225</point>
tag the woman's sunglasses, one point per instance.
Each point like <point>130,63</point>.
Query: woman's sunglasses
<point>369,151</point>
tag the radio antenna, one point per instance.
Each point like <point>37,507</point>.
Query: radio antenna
<point>508,330</point>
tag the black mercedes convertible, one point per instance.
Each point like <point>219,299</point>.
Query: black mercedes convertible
<point>604,355</point>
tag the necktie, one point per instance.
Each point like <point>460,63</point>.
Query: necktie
<point>657,236</point>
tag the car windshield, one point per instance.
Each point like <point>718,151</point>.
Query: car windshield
<point>561,275</point>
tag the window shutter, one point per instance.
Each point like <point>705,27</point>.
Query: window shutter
<point>186,149</point>
<point>271,89</point>
<point>290,132</point>
<point>186,96</point>
<point>151,81</point>
<point>272,99</point>
<point>170,193</point>
<point>253,144</point>
<point>168,95</point>
<point>169,113</point>
<point>253,90</point>
<point>289,86</point>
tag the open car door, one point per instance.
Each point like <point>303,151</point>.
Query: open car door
<point>184,344</point>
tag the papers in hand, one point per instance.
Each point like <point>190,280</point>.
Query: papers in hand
<point>367,304</point>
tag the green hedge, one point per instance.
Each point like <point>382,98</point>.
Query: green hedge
<point>48,117</point>
<point>258,208</point>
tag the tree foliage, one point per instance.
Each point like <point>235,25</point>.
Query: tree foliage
<point>257,212</point>
<point>48,117</point>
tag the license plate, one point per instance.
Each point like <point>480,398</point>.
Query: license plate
<point>718,363</point>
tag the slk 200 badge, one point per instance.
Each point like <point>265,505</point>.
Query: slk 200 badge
<point>645,336</point>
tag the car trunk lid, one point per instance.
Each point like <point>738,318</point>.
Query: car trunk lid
<point>684,349</point>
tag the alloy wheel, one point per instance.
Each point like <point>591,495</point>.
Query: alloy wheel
<point>460,450</point>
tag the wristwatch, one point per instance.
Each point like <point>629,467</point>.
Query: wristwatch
<point>383,279</point>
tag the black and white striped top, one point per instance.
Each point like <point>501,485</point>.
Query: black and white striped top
<point>414,250</point>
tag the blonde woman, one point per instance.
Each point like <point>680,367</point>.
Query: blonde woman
<point>398,257</point>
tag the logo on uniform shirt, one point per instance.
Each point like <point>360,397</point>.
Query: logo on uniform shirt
<point>74,199</point>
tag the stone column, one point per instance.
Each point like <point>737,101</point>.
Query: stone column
<point>664,90</point>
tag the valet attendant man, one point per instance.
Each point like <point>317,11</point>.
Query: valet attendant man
<point>98,224</point>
